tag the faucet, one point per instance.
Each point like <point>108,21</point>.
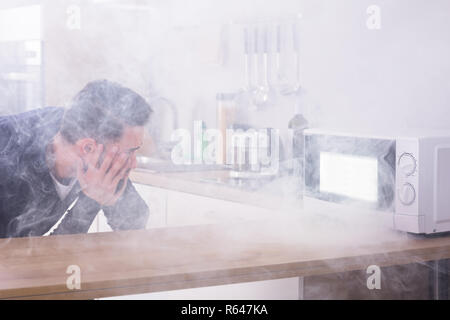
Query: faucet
<point>164,122</point>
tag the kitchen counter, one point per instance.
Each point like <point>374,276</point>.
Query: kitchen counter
<point>130,262</point>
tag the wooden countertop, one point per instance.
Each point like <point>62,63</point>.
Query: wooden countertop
<point>130,262</point>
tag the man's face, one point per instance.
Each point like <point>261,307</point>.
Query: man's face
<point>131,141</point>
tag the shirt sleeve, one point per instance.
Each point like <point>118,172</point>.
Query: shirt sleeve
<point>80,217</point>
<point>129,212</point>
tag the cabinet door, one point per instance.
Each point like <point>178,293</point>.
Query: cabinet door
<point>188,209</point>
<point>94,225</point>
<point>103,225</point>
<point>99,224</point>
<point>278,289</point>
<point>156,199</point>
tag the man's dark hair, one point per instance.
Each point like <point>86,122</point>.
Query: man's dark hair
<point>101,110</point>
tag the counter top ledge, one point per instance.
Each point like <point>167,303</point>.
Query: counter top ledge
<point>131,262</point>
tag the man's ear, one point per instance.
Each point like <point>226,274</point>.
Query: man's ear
<point>86,146</point>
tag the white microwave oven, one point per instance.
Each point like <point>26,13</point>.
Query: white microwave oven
<point>406,175</point>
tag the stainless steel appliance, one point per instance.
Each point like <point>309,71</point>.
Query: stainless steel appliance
<point>21,76</point>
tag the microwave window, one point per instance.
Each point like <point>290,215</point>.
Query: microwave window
<point>352,176</point>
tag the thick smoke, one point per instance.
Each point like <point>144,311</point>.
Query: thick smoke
<point>179,56</point>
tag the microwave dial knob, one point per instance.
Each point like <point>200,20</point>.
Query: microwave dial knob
<point>407,164</point>
<point>407,194</point>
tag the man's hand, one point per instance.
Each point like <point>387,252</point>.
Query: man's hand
<point>99,181</point>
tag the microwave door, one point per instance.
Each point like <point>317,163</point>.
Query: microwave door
<point>352,170</point>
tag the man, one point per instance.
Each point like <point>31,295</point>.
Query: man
<point>52,160</point>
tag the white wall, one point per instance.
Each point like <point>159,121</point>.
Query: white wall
<point>396,76</point>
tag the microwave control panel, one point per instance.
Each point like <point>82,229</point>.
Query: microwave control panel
<point>407,178</point>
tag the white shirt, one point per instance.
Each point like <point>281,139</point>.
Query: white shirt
<point>62,189</point>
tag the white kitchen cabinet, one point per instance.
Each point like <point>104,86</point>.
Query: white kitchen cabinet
<point>99,224</point>
<point>155,198</point>
<point>278,289</point>
<point>94,225</point>
<point>189,209</point>
<point>173,208</point>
